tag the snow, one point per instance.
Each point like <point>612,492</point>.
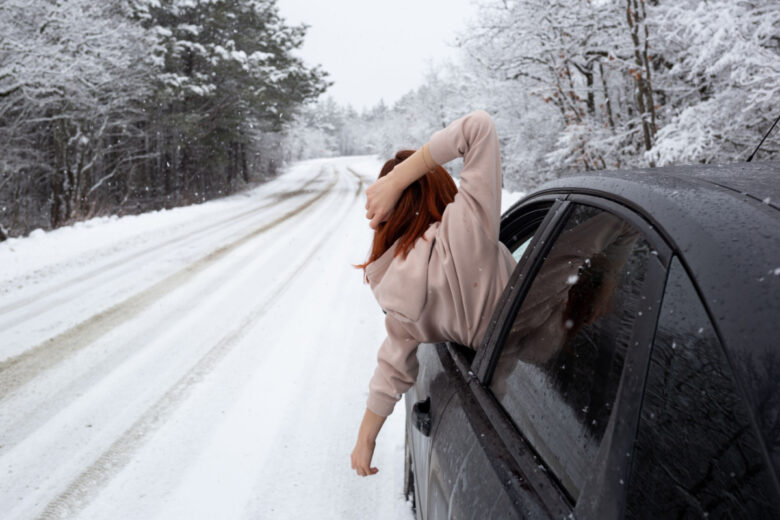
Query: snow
<point>208,361</point>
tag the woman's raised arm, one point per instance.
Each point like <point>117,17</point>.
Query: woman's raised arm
<point>472,137</point>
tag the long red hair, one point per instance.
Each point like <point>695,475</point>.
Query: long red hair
<point>421,204</point>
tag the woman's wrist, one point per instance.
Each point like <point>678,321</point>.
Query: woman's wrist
<point>370,426</point>
<point>425,152</point>
<point>397,178</point>
<point>412,168</point>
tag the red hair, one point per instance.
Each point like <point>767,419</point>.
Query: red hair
<point>421,204</point>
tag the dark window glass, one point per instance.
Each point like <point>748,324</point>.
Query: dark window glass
<point>558,370</point>
<point>697,454</point>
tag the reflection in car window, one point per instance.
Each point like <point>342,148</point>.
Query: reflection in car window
<point>559,368</point>
<point>696,454</point>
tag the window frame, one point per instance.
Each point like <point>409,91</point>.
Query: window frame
<point>526,268</point>
<point>602,495</point>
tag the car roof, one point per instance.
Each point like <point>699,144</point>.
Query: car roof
<point>723,221</point>
<point>758,180</point>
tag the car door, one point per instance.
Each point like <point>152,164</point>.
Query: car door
<point>425,402</point>
<point>697,453</point>
<point>551,393</point>
<point>440,374</point>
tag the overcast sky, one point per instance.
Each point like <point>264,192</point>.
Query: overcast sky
<point>377,49</point>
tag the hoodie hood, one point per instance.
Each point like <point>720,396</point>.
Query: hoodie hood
<point>400,285</point>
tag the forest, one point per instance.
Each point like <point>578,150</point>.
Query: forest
<point>124,107</point>
<point>581,85</point>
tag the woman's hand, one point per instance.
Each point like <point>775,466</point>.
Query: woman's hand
<point>381,198</point>
<point>361,458</point>
<point>366,441</point>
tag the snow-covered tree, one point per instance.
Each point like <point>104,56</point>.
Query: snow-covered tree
<point>124,106</point>
<point>72,76</point>
<point>722,71</point>
<point>228,69</point>
<point>590,84</point>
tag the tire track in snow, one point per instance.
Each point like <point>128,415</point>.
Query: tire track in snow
<point>20,369</point>
<point>105,269</point>
<point>86,485</point>
<point>33,413</point>
<point>361,182</point>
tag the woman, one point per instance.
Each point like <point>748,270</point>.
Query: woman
<point>436,267</point>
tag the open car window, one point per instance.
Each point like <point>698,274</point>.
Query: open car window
<point>519,227</point>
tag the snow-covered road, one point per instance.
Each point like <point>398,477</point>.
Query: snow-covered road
<point>210,361</point>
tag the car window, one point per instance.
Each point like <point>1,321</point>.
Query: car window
<point>518,252</point>
<point>697,453</point>
<point>519,228</point>
<point>558,370</point>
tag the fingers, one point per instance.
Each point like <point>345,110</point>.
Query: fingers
<point>363,470</point>
<point>376,218</point>
<point>358,469</point>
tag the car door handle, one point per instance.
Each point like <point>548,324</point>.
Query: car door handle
<point>421,416</point>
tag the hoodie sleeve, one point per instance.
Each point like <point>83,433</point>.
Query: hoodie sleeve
<point>474,138</point>
<point>396,368</point>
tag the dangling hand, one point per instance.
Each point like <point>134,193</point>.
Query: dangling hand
<point>381,198</point>
<point>366,442</point>
<point>361,458</point>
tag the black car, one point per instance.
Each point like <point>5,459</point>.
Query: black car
<point>632,367</point>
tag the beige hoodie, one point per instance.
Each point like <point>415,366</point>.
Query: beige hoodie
<point>449,284</point>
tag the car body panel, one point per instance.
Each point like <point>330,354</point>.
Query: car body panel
<point>701,215</point>
<point>472,475</point>
<point>434,383</point>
